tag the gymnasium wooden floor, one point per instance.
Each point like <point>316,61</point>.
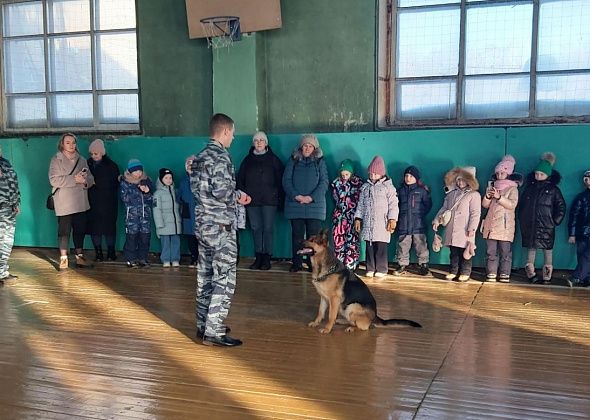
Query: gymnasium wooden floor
<point>115,343</point>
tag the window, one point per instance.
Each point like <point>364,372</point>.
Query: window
<point>449,62</point>
<point>69,64</point>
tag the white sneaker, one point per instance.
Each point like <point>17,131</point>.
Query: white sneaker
<point>370,274</point>
<point>380,275</point>
<point>450,276</point>
<point>463,277</point>
<point>175,264</point>
<point>166,265</point>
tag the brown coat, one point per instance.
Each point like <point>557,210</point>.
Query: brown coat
<point>500,222</point>
<point>71,197</point>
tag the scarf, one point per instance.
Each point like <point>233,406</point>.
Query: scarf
<point>502,184</point>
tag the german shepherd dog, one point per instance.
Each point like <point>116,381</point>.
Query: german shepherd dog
<point>341,291</point>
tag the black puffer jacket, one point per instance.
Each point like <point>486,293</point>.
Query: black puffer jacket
<point>541,208</point>
<point>414,204</point>
<point>260,176</point>
<point>579,222</point>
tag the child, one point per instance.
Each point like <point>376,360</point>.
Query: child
<point>460,213</point>
<point>541,209</point>
<point>376,216</point>
<point>579,231</point>
<point>167,218</point>
<point>186,201</point>
<point>414,204</point>
<point>346,190</point>
<point>498,227</point>
<point>136,193</point>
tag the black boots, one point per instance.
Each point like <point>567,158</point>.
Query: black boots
<point>257,262</point>
<point>265,264</point>
<point>111,254</point>
<point>98,254</point>
<point>262,262</point>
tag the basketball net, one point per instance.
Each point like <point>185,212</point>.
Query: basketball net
<point>221,31</point>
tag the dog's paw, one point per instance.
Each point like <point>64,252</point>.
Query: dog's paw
<point>325,330</point>
<point>313,324</point>
<point>349,329</point>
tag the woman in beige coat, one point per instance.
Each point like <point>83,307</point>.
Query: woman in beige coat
<point>70,178</point>
<point>463,201</point>
<point>498,227</point>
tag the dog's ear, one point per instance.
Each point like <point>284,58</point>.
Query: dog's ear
<point>324,236</point>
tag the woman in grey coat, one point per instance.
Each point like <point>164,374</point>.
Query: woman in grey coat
<point>70,178</point>
<point>305,182</point>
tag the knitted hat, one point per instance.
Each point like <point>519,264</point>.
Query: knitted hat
<point>586,174</point>
<point>412,170</point>
<point>377,166</point>
<point>97,146</point>
<point>134,165</point>
<point>546,163</point>
<point>347,165</point>
<point>309,139</point>
<point>506,165</point>
<point>260,135</point>
<point>164,172</point>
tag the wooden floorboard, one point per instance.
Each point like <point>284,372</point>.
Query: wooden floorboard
<point>115,343</point>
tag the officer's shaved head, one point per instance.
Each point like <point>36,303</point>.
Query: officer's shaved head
<point>218,123</point>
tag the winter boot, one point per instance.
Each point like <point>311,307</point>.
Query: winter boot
<point>547,273</point>
<point>529,270</point>
<point>82,262</point>
<point>423,269</point>
<point>257,262</point>
<point>111,254</point>
<point>265,264</point>
<point>98,254</point>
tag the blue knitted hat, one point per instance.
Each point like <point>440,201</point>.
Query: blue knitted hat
<point>134,165</point>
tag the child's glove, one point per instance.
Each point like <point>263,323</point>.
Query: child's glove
<point>391,224</point>
<point>358,225</point>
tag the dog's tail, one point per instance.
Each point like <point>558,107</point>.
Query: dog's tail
<point>395,322</point>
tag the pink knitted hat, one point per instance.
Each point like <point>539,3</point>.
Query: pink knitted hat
<point>97,146</point>
<point>506,165</point>
<point>377,166</point>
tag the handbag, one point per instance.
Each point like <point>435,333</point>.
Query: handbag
<point>50,203</point>
<point>445,217</point>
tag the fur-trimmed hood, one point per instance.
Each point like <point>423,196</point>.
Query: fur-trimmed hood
<point>298,155</point>
<point>554,178</point>
<point>131,179</point>
<point>457,172</point>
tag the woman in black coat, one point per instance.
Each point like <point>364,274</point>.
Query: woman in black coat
<point>104,200</point>
<point>260,176</point>
<point>541,208</point>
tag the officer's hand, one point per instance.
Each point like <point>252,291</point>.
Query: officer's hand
<point>391,224</point>
<point>571,240</point>
<point>358,225</point>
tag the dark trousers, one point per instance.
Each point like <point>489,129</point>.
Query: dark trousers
<point>301,229</point>
<point>582,271</point>
<point>97,240</point>
<point>376,253</point>
<point>193,247</point>
<point>460,265</point>
<point>262,219</point>
<point>505,257</point>
<point>136,247</point>
<point>74,223</point>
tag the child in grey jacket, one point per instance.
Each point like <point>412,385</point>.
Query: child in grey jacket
<point>167,219</point>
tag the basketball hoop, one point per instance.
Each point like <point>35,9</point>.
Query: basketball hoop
<point>221,31</point>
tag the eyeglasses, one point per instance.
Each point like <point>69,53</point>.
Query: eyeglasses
<point>259,141</point>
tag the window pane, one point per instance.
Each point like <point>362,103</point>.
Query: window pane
<point>118,109</point>
<point>29,112</point>
<point>68,15</point>
<point>428,42</point>
<point>498,39</point>
<point>421,100</point>
<point>24,66</point>
<point>567,95</point>
<point>69,63</point>
<point>409,3</point>
<point>116,63</point>
<point>71,110</point>
<point>564,35</point>
<point>23,19</point>
<point>114,14</point>
<point>497,97</point>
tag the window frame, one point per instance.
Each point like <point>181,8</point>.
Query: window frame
<point>92,32</point>
<point>386,102</point>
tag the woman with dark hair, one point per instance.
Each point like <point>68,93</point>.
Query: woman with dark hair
<point>260,177</point>
<point>305,182</point>
<point>70,178</point>
<point>104,200</point>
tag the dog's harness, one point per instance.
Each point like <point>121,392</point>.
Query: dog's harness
<point>334,268</point>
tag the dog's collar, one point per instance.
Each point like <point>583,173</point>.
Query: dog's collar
<point>334,268</point>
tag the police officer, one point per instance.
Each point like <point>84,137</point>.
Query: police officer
<point>9,209</point>
<point>213,185</point>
